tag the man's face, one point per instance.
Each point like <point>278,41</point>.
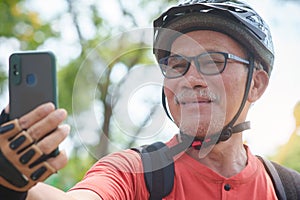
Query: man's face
<point>200,103</point>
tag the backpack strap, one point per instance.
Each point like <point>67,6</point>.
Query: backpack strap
<point>283,178</point>
<point>158,169</point>
<point>291,181</point>
<point>278,186</point>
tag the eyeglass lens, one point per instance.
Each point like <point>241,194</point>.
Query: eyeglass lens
<point>207,63</point>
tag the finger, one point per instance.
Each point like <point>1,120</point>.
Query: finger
<point>51,142</point>
<point>47,124</point>
<point>37,114</point>
<point>59,161</point>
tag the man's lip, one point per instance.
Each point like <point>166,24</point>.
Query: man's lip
<point>195,97</point>
<point>194,101</point>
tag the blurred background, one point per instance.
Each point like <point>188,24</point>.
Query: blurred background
<point>110,84</point>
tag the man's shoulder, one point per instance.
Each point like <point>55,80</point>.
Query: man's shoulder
<point>286,181</point>
<point>126,160</point>
<point>285,171</point>
<point>290,179</point>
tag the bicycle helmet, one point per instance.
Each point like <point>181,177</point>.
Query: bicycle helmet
<point>231,17</point>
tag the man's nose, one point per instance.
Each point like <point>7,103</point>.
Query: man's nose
<point>194,77</point>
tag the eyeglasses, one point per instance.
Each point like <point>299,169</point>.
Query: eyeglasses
<point>209,63</point>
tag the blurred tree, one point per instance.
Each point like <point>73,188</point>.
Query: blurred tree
<point>22,26</point>
<point>289,154</point>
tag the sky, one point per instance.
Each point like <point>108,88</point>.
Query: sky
<point>271,117</point>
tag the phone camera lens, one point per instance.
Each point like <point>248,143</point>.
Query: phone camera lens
<point>16,73</point>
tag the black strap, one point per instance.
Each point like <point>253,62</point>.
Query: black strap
<point>284,179</point>
<point>279,189</point>
<point>158,170</point>
<point>290,180</point>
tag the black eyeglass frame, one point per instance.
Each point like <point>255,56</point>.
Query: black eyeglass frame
<point>197,64</point>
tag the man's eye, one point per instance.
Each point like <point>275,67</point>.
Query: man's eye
<point>177,66</point>
<point>212,63</point>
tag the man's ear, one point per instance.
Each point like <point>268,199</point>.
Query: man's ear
<point>259,84</point>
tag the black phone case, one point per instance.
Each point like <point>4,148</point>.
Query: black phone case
<point>32,81</point>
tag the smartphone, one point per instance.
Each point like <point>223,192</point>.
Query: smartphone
<point>32,81</point>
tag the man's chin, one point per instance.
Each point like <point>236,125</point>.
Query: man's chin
<point>196,132</point>
<point>201,132</point>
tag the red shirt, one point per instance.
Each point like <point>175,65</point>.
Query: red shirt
<point>119,176</point>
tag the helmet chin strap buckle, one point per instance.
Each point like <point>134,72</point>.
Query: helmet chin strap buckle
<point>226,134</point>
<point>228,131</point>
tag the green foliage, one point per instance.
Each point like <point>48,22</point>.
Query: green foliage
<point>22,24</point>
<point>66,78</point>
<point>3,77</point>
<point>290,153</point>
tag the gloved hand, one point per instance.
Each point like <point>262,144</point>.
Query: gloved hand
<point>21,161</point>
<point>25,149</point>
<point>6,193</point>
